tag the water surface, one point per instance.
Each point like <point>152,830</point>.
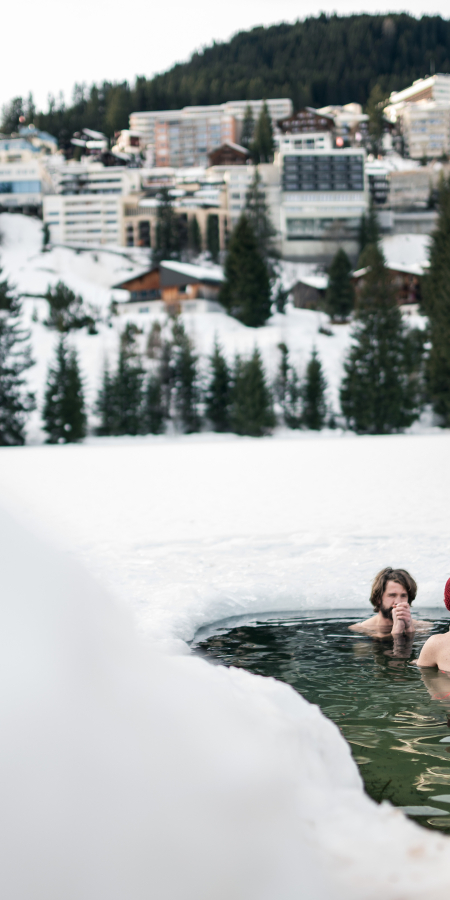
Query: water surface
<point>395,716</point>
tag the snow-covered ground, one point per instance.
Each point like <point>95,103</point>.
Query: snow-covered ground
<point>92,274</point>
<point>131,768</point>
<point>253,791</point>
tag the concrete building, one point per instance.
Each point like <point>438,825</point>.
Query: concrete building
<point>184,137</point>
<point>323,195</point>
<point>23,173</point>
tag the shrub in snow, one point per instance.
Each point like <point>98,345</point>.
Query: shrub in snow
<point>313,395</point>
<point>15,358</point>
<point>67,311</point>
<point>218,392</point>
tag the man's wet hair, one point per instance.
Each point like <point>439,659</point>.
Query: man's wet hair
<point>400,576</point>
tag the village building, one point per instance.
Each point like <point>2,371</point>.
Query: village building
<point>174,286</point>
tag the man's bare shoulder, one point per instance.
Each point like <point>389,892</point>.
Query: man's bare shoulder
<point>366,627</point>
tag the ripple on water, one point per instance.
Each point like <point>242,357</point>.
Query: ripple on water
<point>394,715</point>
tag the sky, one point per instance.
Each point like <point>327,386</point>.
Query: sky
<point>52,44</point>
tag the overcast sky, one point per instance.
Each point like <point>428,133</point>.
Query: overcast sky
<point>49,45</point>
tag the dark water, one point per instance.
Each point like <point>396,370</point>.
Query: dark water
<point>394,716</point>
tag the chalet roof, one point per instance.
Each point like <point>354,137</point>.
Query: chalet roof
<point>404,253</point>
<point>202,273</point>
<point>306,120</point>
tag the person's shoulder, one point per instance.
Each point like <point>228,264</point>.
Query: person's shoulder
<point>365,626</point>
<point>423,625</point>
<point>428,653</point>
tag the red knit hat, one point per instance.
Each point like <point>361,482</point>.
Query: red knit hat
<point>447,595</point>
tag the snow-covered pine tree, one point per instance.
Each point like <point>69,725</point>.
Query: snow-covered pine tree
<point>288,390</point>
<point>251,406</point>
<point>381,388</point>
<point>340,295</point>
<point>128,385</point>
<point>16,402</point>
<point>186,391</point>
<point>218,393</point>
<point>66,310</point>
<point>369,233</point>
<point>436,288</point>
<point>313,394</point>
<point>246,291</point>
<point>64,413</point>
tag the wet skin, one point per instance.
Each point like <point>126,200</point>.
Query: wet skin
<point>394,617</point>
<point>436,652</point>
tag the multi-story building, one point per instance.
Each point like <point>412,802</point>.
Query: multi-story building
<point>184,137</point>
<point>86,208</point>
<point>23,173</point>
<point>421,112</point>
<point>323,196</point>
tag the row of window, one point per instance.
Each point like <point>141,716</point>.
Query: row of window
<point>307,229</point>
<point>20,187</point>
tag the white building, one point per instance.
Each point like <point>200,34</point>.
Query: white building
<point>184,137</point>
<point>86,208</point>
<point>21,185</point>
<point>323,195</point>
<point>422,112</point>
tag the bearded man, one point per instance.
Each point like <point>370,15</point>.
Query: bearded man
<point>393,591</point>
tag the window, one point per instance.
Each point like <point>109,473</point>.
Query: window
<point>20,187</point>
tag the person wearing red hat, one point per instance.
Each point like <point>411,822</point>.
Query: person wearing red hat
<point>436,650</point>
<point>393,591</point>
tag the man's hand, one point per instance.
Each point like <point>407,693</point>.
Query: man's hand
<point>401,618</point>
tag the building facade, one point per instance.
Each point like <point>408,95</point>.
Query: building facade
<point>421,112</point>
<point>185,137</point>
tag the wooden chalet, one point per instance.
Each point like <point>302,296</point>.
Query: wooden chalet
<point>173,282</point>
<point>306,120</point>
<point>229,154</point>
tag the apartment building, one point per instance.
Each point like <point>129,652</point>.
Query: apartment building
<point>323,195</point>
<point>184,137</point>
<point>422,114</point>
<point>86,206</point>
<point>23,173</point>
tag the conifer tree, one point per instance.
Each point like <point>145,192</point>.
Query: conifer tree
<point>212,236</point>
<point>340,296</point>
<point>105,406</point>
<point>186,393</point>
<point>218,393</point>
<point>380,392</point>
<point>257,212</point>
<point>436,288</point>
<point>128,385</point>
<point>248,128</point>
<point>251,407</point>
<point>194,236</point>
<point>288,390</point>
<point>167,230</point>
<point>166,376</point>
<point>369,233</point>
<point>153,410</point>
<point>64,413</point>
<point>246,291</point>
<point>375,110</point>
<point>313,393</point>
<point>45,236</point>
<point>263,144</point>
<point>16,402</point>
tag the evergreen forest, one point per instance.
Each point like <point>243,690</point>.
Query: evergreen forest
<point>322,60</point>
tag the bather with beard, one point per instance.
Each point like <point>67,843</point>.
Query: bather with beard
<point>393,591</point>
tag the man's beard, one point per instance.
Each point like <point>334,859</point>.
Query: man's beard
<point>386,613</point>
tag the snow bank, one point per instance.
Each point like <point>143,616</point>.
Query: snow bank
<point>130,774</point>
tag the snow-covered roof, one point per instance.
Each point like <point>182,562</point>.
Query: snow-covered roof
<point>306,273</point>
<point>407,252</point>
<point>203,273</point>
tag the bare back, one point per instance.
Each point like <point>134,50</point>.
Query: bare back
<point>436,652</point>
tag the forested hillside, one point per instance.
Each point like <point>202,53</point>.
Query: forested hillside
<point>329,59</point>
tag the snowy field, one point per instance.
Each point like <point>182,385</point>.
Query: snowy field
<point>130,768</point>
<point>254,793</point>
<point>92,274</point>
